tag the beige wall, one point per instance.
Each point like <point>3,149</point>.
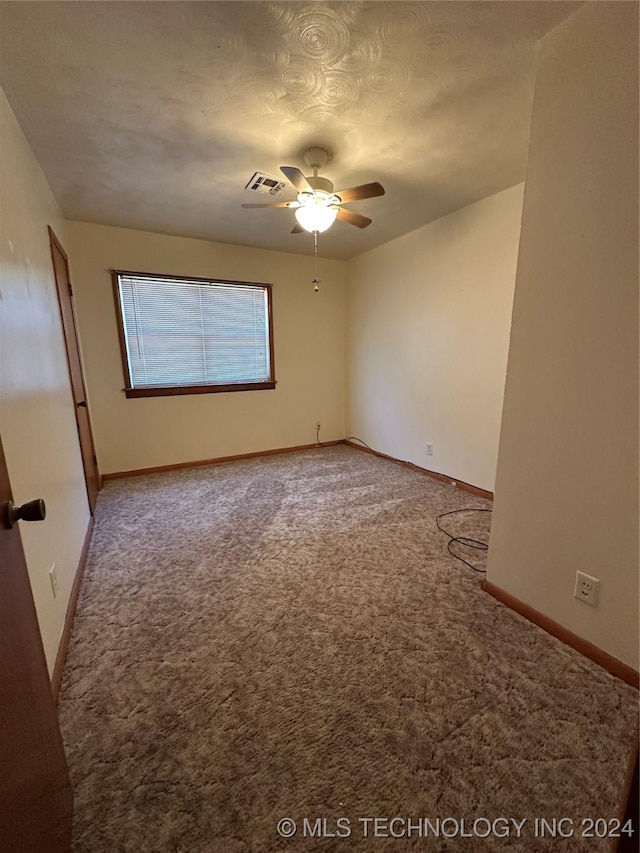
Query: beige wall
<point>37,420</point>
<point>428,333</point>
<point>309,332</point>
<point>567,482</point>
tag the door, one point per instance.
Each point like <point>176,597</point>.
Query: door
<point>65,297</point>
<point>35,791</point>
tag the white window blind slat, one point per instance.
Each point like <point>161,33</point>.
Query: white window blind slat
<point>182,332</point>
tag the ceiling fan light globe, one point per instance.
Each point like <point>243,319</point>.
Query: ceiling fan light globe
<point>316,217</point>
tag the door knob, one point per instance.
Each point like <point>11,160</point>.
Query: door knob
<point>82,404</point>
<point>31,511</point>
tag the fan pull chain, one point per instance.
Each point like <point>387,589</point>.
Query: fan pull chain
<point>316,280</point>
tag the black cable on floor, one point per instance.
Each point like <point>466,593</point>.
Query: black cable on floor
<point>318,442</point>
<point>355,438</point>
<point>462,540</point>
<point>346,438</point>
<point>467,541</point>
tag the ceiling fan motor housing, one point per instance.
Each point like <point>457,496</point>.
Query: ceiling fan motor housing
<point>322,184</point>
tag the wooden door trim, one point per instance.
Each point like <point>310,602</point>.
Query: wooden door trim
<point>630,805</point>
<point>55,243</point>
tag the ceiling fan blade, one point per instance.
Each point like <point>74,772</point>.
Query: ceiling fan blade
<point>296,177</point>
<point>353,218</point>
<point>363,191</point>
<point>297,229</point>
<point>274,204</point>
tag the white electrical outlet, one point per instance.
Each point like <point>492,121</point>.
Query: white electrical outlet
<point>53,577</point>
<point>586,589</point>
<point>429,448</point>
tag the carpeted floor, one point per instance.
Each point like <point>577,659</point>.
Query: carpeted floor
<point>288,637</point>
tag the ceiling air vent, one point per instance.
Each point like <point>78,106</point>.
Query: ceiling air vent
<point>262,183</point>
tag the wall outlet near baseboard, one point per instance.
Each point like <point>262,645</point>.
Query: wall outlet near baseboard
<point>586,589</point>
<point>429,448</point>
<point>53,577</point>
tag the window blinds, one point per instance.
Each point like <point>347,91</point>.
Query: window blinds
<point>181,332</point>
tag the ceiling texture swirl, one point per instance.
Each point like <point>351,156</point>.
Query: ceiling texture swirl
<point>155,115</point>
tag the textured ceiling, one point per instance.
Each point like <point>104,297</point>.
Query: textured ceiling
<point>154,115</point>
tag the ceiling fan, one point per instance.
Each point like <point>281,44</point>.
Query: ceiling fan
<point>318,205</point>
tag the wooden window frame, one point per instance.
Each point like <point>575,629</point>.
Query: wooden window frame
<point>177,390</point>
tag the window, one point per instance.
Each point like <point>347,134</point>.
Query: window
<point>193,335</point>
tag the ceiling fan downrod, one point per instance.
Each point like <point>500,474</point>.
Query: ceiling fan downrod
<point>315,281</point>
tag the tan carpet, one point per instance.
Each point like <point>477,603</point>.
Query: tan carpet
<point>288,637</point>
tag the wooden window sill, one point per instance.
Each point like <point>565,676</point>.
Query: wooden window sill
<point>175,390</point>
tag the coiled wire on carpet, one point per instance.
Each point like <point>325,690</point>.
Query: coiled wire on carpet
<point>463,540</point>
